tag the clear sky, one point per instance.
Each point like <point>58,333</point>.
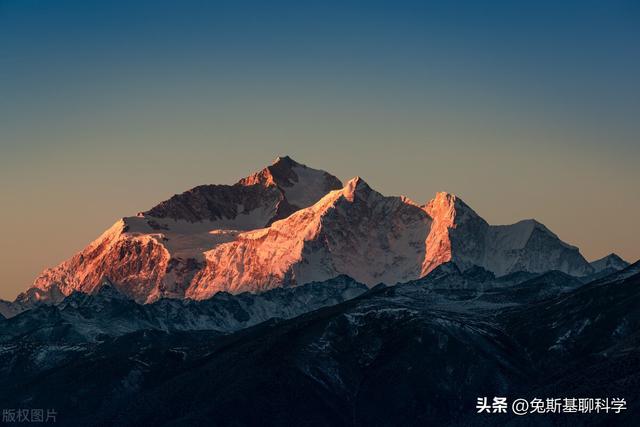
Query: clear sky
<point>525,109</point>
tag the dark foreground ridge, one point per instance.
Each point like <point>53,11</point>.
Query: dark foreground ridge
<point>418,353</point>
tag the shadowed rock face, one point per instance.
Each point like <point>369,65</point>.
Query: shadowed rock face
<point>217,202</point>
<point>283,187</point>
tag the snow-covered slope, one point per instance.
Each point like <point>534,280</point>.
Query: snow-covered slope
<point>354,231</point>
<point>289,224</point>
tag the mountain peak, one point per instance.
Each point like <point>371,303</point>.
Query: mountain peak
<point>449,206</point>
<point>272,193</point>
<point>445,201</point>
<point>355,186</point>
<point>614,257</point>
<point>611,261</point>
<point>528,226</point>
<point>445,196</point>
<point>534,223</point>
<point>280,173</point>
<point>301,185</point>
<point>285,160</point>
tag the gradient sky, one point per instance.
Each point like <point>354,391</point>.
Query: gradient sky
<point>525,109</point>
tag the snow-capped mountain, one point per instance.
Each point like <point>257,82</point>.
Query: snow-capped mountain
<point>288,225</point>
<point>157,253</point>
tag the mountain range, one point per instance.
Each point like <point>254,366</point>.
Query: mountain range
<point>288,225</point>
<point>289,298</point>
<point>332,353</point>
<point>82,317</point>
